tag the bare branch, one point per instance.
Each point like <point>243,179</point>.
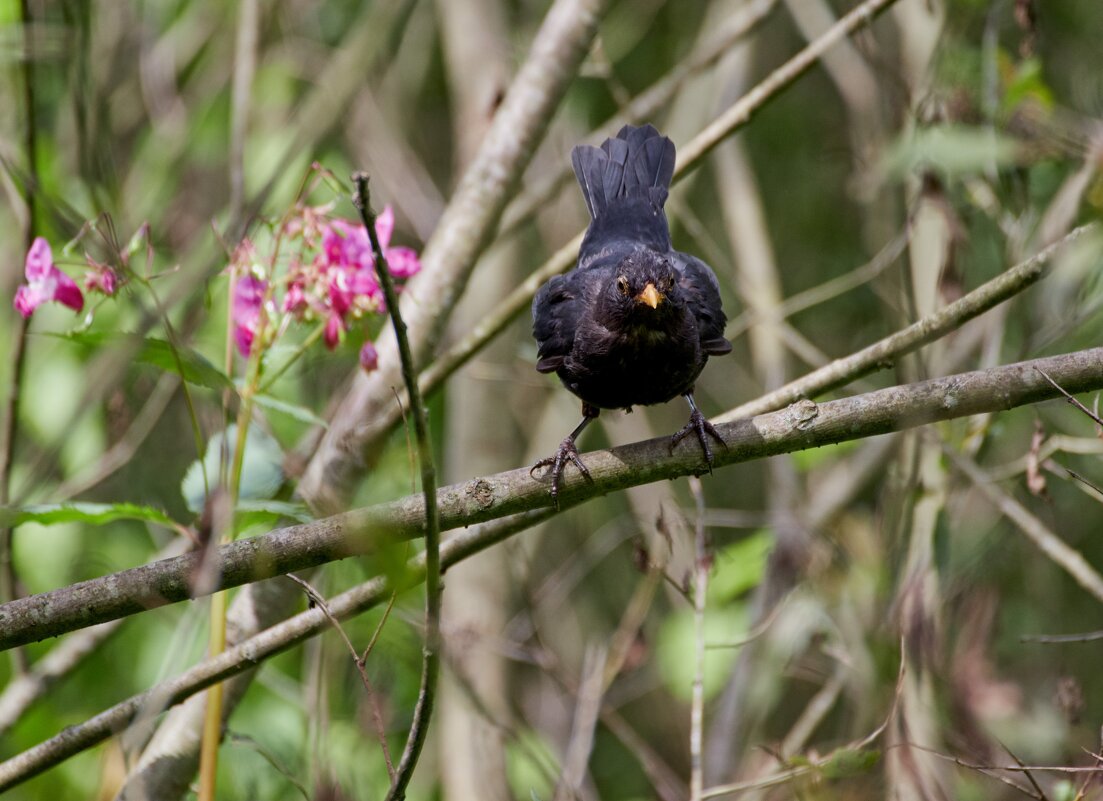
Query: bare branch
<point>928,329</point>
<point>800,426</point>
<point>1049,543</point>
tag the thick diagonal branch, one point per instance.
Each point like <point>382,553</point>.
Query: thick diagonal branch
<point>800,426</point>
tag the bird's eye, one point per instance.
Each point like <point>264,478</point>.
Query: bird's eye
<point>669,283</point>
<point>622,284</point>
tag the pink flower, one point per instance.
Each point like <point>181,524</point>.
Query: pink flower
<point>335,325</point>
<point>101,278</point>
<point>348,246</point>
<point>45,282</point>
<point>248,300</point>
<point>403,262</point>
<point>294,301</point>
<point>369,357</point>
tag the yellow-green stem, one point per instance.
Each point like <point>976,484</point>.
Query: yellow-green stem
<point>212,721</point>
<point>299,351</point>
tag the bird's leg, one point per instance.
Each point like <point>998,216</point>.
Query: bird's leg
<point>699,425</point>
<point>567,452</point>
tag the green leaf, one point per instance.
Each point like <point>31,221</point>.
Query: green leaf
<point>847,762</point>
<point>193,366</point>
<point>739,567</point>
<point>261,469</point>
<point>96,514</point>
<point>951,150</point>
<point>298,412</point>
<point>269,508</point>
<point>676,641</point>
<point>1027,84</point>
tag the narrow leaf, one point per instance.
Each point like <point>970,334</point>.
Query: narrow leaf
<point>193,366</point>
<point>96,514</point>
<point>294,410</point>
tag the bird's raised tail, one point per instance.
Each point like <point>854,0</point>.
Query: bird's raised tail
<point>638,162</point>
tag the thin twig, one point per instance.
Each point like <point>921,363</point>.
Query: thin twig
<point>590,691</point>
<point>832,288</point>
<point>377,717</point>
<point>1020,768</point>
<point>803,425</point>
<point>703,565</point>
<point>1090,636</point>
<point>245,65</point>
<point>786,776</point>
<point>930,328</point>
<point>645,105</point>
<point>814,712</point>
<point>1072,400</point>
<point>1050,464</point>
<point>120,453</point>
<point>740,112</point>
<point>17,361</point>
<point>379,628</point>
<point>430,669</point>
<point>628,630</point>
<point>754,633</point>
<point>236,738</point>
<point>1049,543</point>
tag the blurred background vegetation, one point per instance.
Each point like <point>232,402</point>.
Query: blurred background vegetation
<point>921,158</point>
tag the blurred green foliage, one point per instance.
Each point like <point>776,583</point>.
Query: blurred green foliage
<point>132,104</point>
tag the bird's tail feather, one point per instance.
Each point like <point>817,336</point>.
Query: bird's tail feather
<point>637,161</point>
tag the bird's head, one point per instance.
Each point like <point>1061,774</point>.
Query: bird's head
<point>643,289</point>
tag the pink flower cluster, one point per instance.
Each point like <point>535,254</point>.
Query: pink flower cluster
<point>331,278</point>
<point>46,283</point>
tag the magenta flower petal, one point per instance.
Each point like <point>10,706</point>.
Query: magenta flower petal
<point>369,357</point>
<point>334,326</point>
<point>294,301</point>
<point>243,338</point>
<point>27,299</point>
<point>45,282</point>
<point>403,262</point>
<point>248,298</point>
<point>364,283</point>
<point>384,227</point>
<point>101,278</point>
<point>40,260</point>
<point>67,293</point>
<point>340,295</point>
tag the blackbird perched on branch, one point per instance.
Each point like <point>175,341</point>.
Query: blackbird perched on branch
<point>636,321</point>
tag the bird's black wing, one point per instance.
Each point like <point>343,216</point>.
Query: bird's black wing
<point>556,310</point>
<point>701,291</point>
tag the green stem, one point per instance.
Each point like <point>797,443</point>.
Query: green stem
<point>299,351</point>
<point>8,580</point>
<point>212,720</point>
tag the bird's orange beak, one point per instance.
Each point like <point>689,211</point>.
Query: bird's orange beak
<point>650,296</point>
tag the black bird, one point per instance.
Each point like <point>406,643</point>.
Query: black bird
<point>636,321</point>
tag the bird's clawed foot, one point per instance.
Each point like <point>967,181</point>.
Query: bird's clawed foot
<point>703,429</point>
<point>567,453</point>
